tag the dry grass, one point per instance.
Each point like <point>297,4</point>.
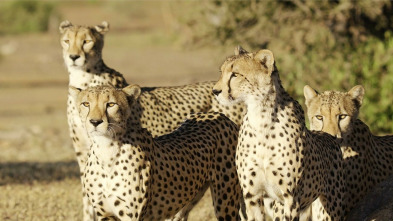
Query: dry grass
<point>41,201</point>
<point>52,191</point>
<point>38,171</point>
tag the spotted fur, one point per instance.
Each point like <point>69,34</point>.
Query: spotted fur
<point>368,158</point>
<point>129,175</point>
<point>277,157</point>
<point>159,109</point>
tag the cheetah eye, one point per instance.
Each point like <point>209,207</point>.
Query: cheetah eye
<point>342,116</point>
<point>234,74</point>
<point>111,104</point>
<point>86,104</point>
<point>319,117</point>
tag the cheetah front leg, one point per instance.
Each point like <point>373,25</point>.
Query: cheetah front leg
<point>81,146</point>
<point>88,209</point>
<point>321,210</point>
<point>289,210</point>
<point>120,209</point>
<point>125,210</point>
<point>109,218</point>
<point>253,198</point>
<point>318,212</point>
<point>254,207</point>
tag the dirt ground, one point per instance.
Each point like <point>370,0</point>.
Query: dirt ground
<point>38,171</point>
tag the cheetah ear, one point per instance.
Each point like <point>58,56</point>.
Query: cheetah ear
<point>239,50</point>
<point>132,91</point>
<point>103,28</point>
<point>309,94</point>
<point>357,94</point>
<point>74,92</point>
<point>266,58</point>
<point>64,25</point>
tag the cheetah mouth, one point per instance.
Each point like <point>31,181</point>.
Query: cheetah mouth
<point>97,133</point>
<point>225,100</point>
<point>100,132</point>
<point>75,65</point>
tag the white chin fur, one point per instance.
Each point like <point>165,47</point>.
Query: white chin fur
<point>75,65</point>
<point>97,133</point>
<point>226,101</point>
<point>74,68</point>
<point>102,140</point>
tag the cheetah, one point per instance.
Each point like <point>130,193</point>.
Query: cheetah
<point>129,175</point>
<point>277,157</point>
<point>160,109</point>
<point>367,158</point>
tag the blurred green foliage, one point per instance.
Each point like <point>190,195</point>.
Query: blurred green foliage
<point>370,64</point>
<point>24,16</point>
<point>330,45</point>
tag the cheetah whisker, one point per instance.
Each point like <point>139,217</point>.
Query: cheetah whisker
<point>111,132</point>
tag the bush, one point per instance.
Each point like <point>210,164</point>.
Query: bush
<point>24,16</point>
<point>330,45</point>
<point>371,65</point>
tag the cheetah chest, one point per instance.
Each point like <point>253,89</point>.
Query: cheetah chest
<point>110,177</point>
<point>259,164</point>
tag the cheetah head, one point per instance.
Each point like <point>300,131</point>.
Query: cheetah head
<point>333,112</point>
<point>82,46</point>
<point>243,74</point>
<point>104,110</point>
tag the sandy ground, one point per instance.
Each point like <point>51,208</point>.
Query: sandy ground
<point>38,171</point>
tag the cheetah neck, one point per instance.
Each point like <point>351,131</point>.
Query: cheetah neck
<point>92,75</point>
<point>270,106</point>
<point>138,136</point>
<point>105,150</point>
<point>257,113</point>
<point>79,78</point>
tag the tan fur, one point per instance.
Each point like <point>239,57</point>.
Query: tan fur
<point>83,42</point>
<point>129,175</point>
<point>278,159</point>
<point>82,53</point>
<point>367,158</point>
<point>106,105</point>
<point>159,109</point>
<point>333,112</point>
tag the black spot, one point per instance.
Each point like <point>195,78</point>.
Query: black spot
<point>248,195</point>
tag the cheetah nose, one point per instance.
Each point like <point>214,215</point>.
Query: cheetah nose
<point>216,92</point>
<point>96,122</point>
<point>74,57</point>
